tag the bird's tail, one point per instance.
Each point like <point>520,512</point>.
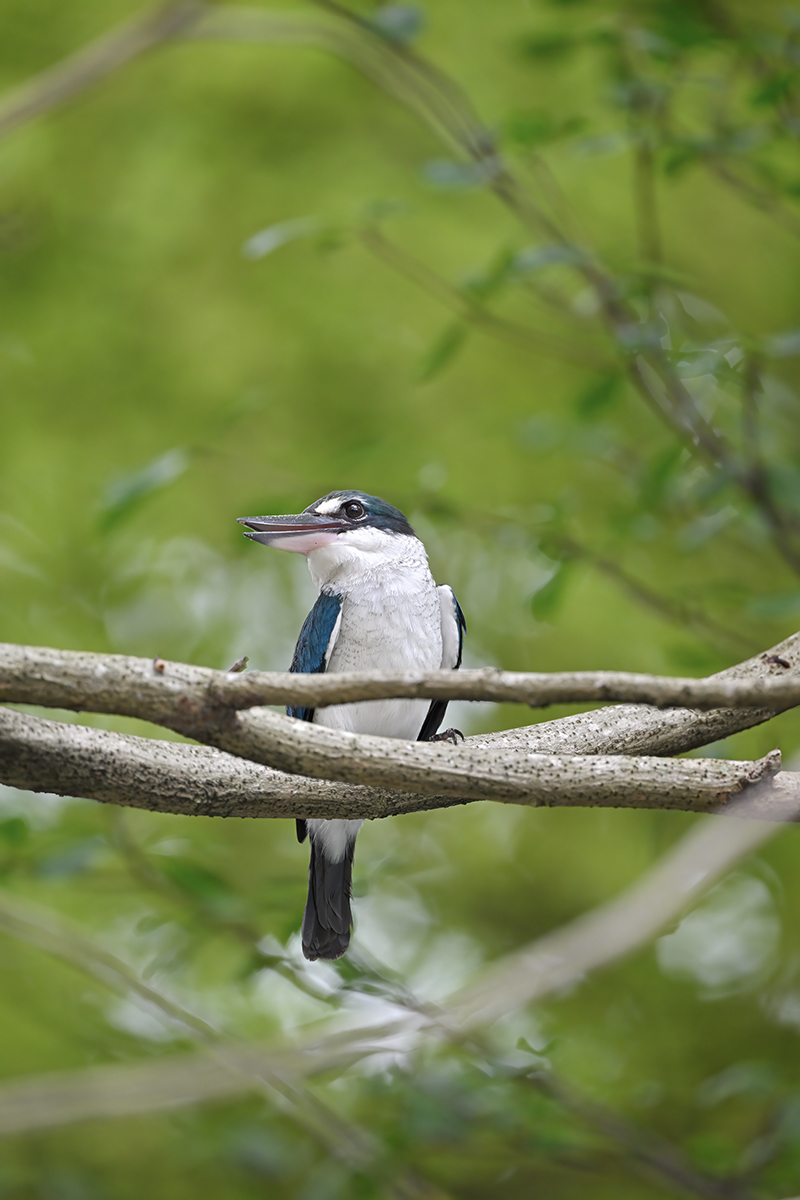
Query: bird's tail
<point>327,918</point>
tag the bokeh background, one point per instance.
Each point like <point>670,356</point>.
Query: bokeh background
<point>198,321</point>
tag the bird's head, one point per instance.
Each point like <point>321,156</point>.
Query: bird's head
<point>349,525</point>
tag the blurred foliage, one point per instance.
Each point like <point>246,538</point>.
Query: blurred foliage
<point>225,277</point>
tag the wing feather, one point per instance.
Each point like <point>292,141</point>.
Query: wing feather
<point>313,653</point>
<point>453,629</point>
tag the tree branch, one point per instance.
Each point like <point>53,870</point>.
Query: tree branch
<point>441,104</point>
<point>560,960</point>
<point>176,693</point>
<point>94,62</point>
<point>543,764</point>
<point>468,772</point>
<point>474,313</point>
<point>673,608</point>
<point>543,968</point>
<point>122,769</point>
<point>138,772</point>
<point>653,1154</point>
<point>239,1069</point>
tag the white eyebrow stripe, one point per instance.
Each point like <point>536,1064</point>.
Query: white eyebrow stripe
<point>328,506</point>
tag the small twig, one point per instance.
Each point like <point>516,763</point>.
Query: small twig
<point>544,968</point>
<point>760,198</point>
<point>275,1075</point>
<point>96,61</point>
<point>673,609</point>
<point>655,1154</point>
<point>631,920</point>
<point>437,100</point>
<point>656,381</point>
<point>644,189</point>
<point>59,938</point>
<point>239,666</point>
<point>511,332</point>
<point>757,471</point>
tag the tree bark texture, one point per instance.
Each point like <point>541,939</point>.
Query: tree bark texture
<point>287,768</point>
<point>103,682</point>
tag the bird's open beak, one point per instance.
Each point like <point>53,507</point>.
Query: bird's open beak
<point>302,533</point>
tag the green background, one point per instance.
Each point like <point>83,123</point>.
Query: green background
<point>158,380</point>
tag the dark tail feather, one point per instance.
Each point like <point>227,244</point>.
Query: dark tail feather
<point>327,919</point>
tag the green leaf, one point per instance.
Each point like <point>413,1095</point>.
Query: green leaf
<point>523,1044</point>
<point>687,24</point>
<point>774,89</point>
<point>451,175</point>
<point>680,156</point>
<point>443,351</point>
<point>547,601</point>
<point>548,46</point>
<point>742,1079</point>
<point>268,240</point>
<point>776,606</point>
<point>125,493</point>
<point>597,397</point>
<point>398,22</point>
<point>638,95</point>
<point>194,879</point>
<point>706,527</point>
<point>784,480</point>
<point>529,129</point>
<point>14,832</point>
<point>74,859</point>
<point>701,311</point>
<point>534,258</point>
<point>482,285</point>
<point>783,345</point>
<point>657,474</point>
<point>540,433</point>
<point>636,338</point>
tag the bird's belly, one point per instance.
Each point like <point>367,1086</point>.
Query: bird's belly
<point>381,718</point>
<point>399,637</point>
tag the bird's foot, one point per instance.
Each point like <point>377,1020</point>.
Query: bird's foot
<point>449,735</point>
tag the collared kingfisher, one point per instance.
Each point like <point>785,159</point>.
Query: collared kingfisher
<point>378,609</point>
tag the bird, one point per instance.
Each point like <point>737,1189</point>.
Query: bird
<point>377,609</point>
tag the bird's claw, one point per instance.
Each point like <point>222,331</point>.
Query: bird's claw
<point>449,735</point>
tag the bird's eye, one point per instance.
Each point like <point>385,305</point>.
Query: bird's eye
<point>354,510</point>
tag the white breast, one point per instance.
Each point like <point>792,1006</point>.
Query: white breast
<point>391,620</point>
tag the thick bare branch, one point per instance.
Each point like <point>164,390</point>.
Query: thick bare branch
<point>641,729</point>
<point>167,777</point>
<point>49,756</point>
<point>73,760</point>
<point>139,687</point>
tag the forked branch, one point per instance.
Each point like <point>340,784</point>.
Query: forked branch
<point>606,758</point>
